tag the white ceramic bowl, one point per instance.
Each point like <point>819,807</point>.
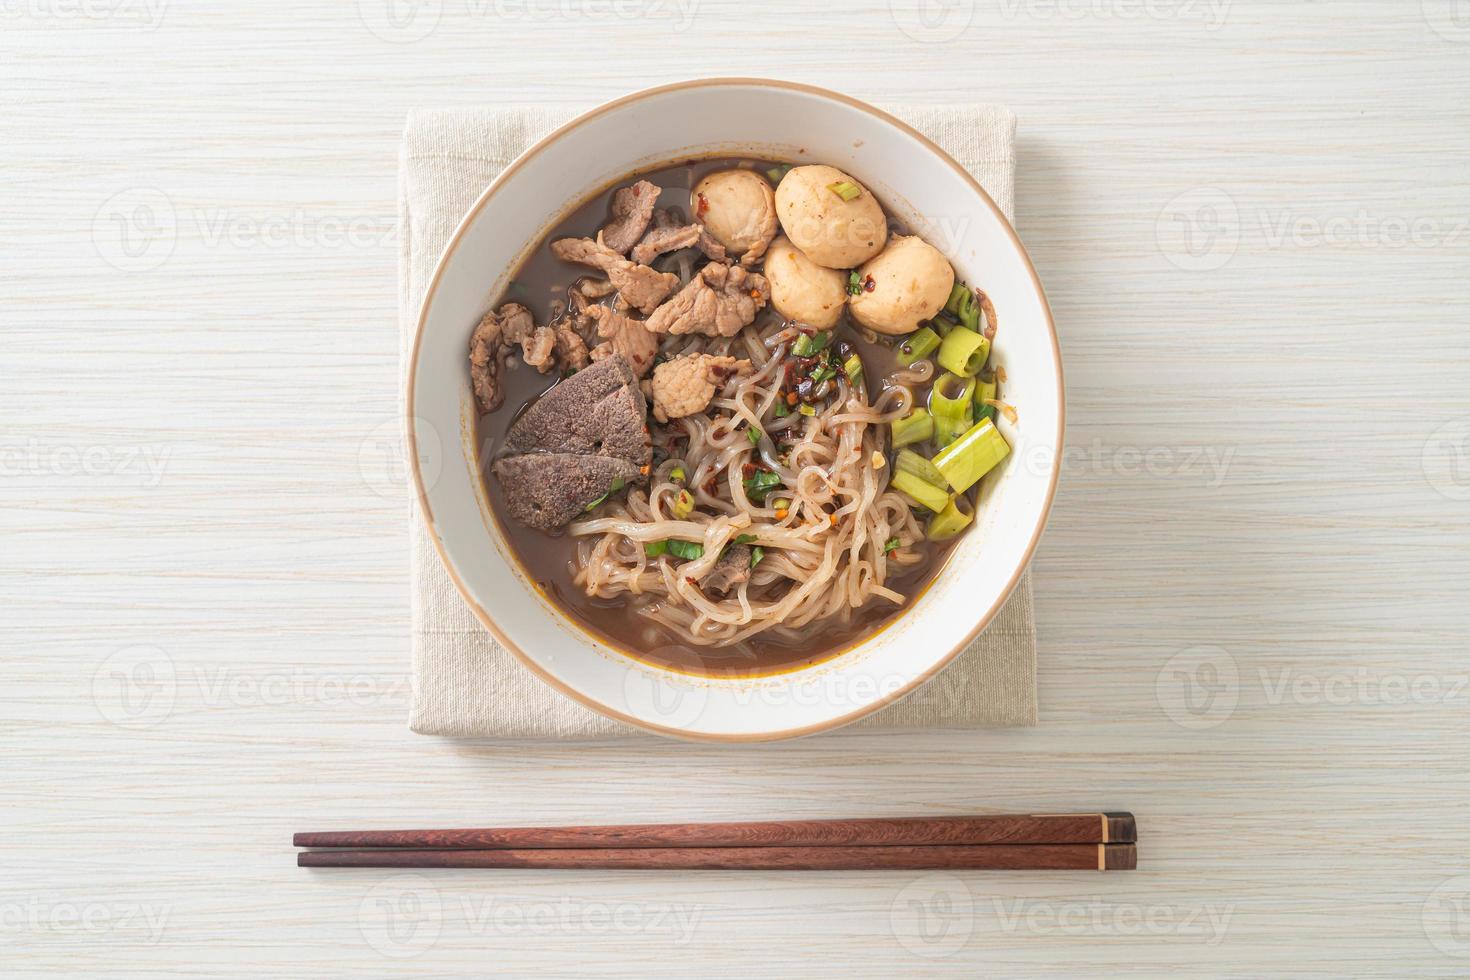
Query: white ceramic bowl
<point>757,117</point>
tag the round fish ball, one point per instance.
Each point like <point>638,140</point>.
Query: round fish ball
<point>833,232</point>
<point>910,281</point>
<point>737,207</point>
<point>801,290</point>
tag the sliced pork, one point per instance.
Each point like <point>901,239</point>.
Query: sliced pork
<point>643,288</point>
<point>717,302</point>
<point>632,210</point>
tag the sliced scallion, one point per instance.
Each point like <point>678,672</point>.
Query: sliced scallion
<point>972,455</point>
<point>778,172</point>
<point>963,306</point>
<point>808,410</point>
<point>809,343</point>
<point>655,548</point>
<point>963,352</point>
<point>756,554</point>
<point>909,461</point>
<point>754,435</point>
<point>846,190</point>
<point>916,427</point>
<point>683,504</point>
<point>953,519</point>
<point>927,494</point>
<point>919,345</point>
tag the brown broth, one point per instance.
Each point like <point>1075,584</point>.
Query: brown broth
<point>548,558</point>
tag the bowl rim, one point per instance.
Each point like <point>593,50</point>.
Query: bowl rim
<point>411,436</point>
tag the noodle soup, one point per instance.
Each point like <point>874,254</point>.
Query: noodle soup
<point>734,417</point>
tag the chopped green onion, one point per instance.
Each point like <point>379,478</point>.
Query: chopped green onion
<point>823,373</point>
<point>909,461</point>
<point>972,455</point>
<point>655,548</point>
<point>754,435</point>
<point>846,190</point>
<point>677,474</point>
<point>778,172</point>
<point>685,549</point>
<point>808,410</point>
<point>761,483</point>
<point>854,283</point>
<point>756,554</point>
<point>780,503</point>
<point>744,538</point>
<point>963,352</point>
<point>782,409</point>
<point>890,546</point>
<point>950,401</point>
<point>963,306</point>
<point>683,505</point>
<point>985,391</point>
<point>950,521</point>
<point>853,368</point>
<point>918,426</point>
<point>809,343</point>
<point>617,484</point>
<point>919,345</point>
<point>927,494</point>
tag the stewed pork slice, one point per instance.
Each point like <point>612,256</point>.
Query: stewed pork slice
<point>632,210</point>
<point>598,412</point>
<point>546,490</point>
<point>511,324</point>
<point>643,288</point>
<point>730,571</point>
<point>717,302</point>
<point>626,336</point>
<point>686,384</point>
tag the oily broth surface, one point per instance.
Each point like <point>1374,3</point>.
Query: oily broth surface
<point>549,559</point>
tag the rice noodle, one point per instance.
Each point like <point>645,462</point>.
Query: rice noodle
<point>825,558</point>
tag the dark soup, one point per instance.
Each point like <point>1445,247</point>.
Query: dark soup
<point>733,416</point>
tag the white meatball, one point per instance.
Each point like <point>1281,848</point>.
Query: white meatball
<point>832,231</point>
<point>801,290</point>
<point>738,208</point>
<point>910,282</point>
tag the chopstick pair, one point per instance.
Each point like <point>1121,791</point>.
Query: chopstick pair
<point>1018,842</point>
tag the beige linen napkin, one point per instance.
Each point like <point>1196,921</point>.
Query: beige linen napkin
<point>465,684</point>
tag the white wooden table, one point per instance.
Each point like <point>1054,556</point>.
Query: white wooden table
<point>1251,219</point>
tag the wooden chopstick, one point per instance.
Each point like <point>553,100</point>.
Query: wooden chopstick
<point>993,829</point>
<point>987,857</point>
